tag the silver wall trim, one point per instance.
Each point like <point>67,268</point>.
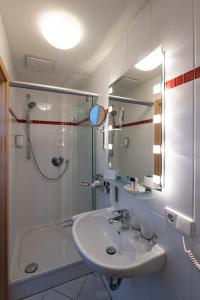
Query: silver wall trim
<point>129,100</point>
<point>50,88</point>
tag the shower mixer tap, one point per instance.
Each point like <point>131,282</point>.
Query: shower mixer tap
<point>57,161</point>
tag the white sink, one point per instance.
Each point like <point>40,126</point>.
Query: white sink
<point>134,256</point>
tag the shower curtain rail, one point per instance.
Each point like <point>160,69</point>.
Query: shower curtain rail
<point>50,88</point>
<point>129,100</point>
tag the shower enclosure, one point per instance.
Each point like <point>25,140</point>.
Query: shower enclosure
<point>51,152</point>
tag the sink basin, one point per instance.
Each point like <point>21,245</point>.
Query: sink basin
<point>134,256</point>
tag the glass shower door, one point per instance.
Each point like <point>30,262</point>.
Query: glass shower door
<point>85,162</point>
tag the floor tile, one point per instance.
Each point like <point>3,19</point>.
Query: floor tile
<point>39,296</point>
<point>71,288</point>
<point>93,289</point>
<point>53,295</point>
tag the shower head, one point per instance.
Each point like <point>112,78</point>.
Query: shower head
<point>31,104</point>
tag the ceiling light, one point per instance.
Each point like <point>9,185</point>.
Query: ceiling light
<point>151,61</point>
<point>60,29</point>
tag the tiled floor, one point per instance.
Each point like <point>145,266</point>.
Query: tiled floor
<point>89,287</point>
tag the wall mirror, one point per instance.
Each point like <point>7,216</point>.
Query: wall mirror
<point>135,132</point>
<point>97,115</point>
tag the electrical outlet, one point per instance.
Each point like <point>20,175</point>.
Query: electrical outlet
<point>179,221</point>
<point>170,217</point>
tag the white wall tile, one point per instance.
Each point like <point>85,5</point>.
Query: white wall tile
<point>179,119</point>
<point>139,37</point>
<point>178,189</point>
<point>102,200</point>
<point>161,9</point>
<point>197,195</point>
<point>176,38</point>
<point>195,274</point>
<point>197,114</point>
<point>119,55</point>
<point>177,272</point>
<point>197,32</point>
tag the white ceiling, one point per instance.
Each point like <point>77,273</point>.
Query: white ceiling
<point>103,22</point>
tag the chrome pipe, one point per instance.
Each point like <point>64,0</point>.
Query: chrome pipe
<point>129,100</point>
<point>50,88</point>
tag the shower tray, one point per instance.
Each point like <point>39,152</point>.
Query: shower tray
<point>52,249</point>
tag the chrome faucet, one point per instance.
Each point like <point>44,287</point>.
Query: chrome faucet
<point>121,215</point>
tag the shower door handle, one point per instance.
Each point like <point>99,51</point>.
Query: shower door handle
<point>85,183</point>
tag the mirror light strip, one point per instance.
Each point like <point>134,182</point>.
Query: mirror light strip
<point>156,149</point>
<point>157,119</point>
<point>156,179</point>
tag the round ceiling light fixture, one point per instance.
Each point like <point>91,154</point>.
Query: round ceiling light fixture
<point>60,29</point>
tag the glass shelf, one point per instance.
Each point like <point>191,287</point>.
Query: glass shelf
<point>120,185</point>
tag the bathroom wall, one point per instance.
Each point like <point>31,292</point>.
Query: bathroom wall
<point>174,24</point>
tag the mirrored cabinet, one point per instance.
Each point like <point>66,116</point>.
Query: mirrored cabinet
<point>135,127</point>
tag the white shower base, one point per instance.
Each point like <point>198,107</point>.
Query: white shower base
<point>52,248</point>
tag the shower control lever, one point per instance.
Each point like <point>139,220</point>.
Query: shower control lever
<point>99,183</point>
<point>96,183</point>
<point>84,183</point>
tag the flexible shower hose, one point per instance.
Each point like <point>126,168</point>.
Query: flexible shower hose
<point>38,168</point>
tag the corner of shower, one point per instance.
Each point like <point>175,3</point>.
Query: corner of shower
<point>56,151</point>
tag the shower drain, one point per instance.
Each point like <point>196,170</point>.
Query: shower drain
<point>31,268</point>
<point>111,250</point>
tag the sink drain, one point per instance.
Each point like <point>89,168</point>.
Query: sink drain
<point>111,250</point>
<point>31,268</point>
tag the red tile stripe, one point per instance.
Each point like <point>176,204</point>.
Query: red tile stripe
<point>42,121</point>
<point>23,121</point>
<point>49,122</point>
<point>136,123</point>
<point>184,78</point>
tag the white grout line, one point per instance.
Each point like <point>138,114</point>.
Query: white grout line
<point>58,292</point>
<point>86,278</point>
